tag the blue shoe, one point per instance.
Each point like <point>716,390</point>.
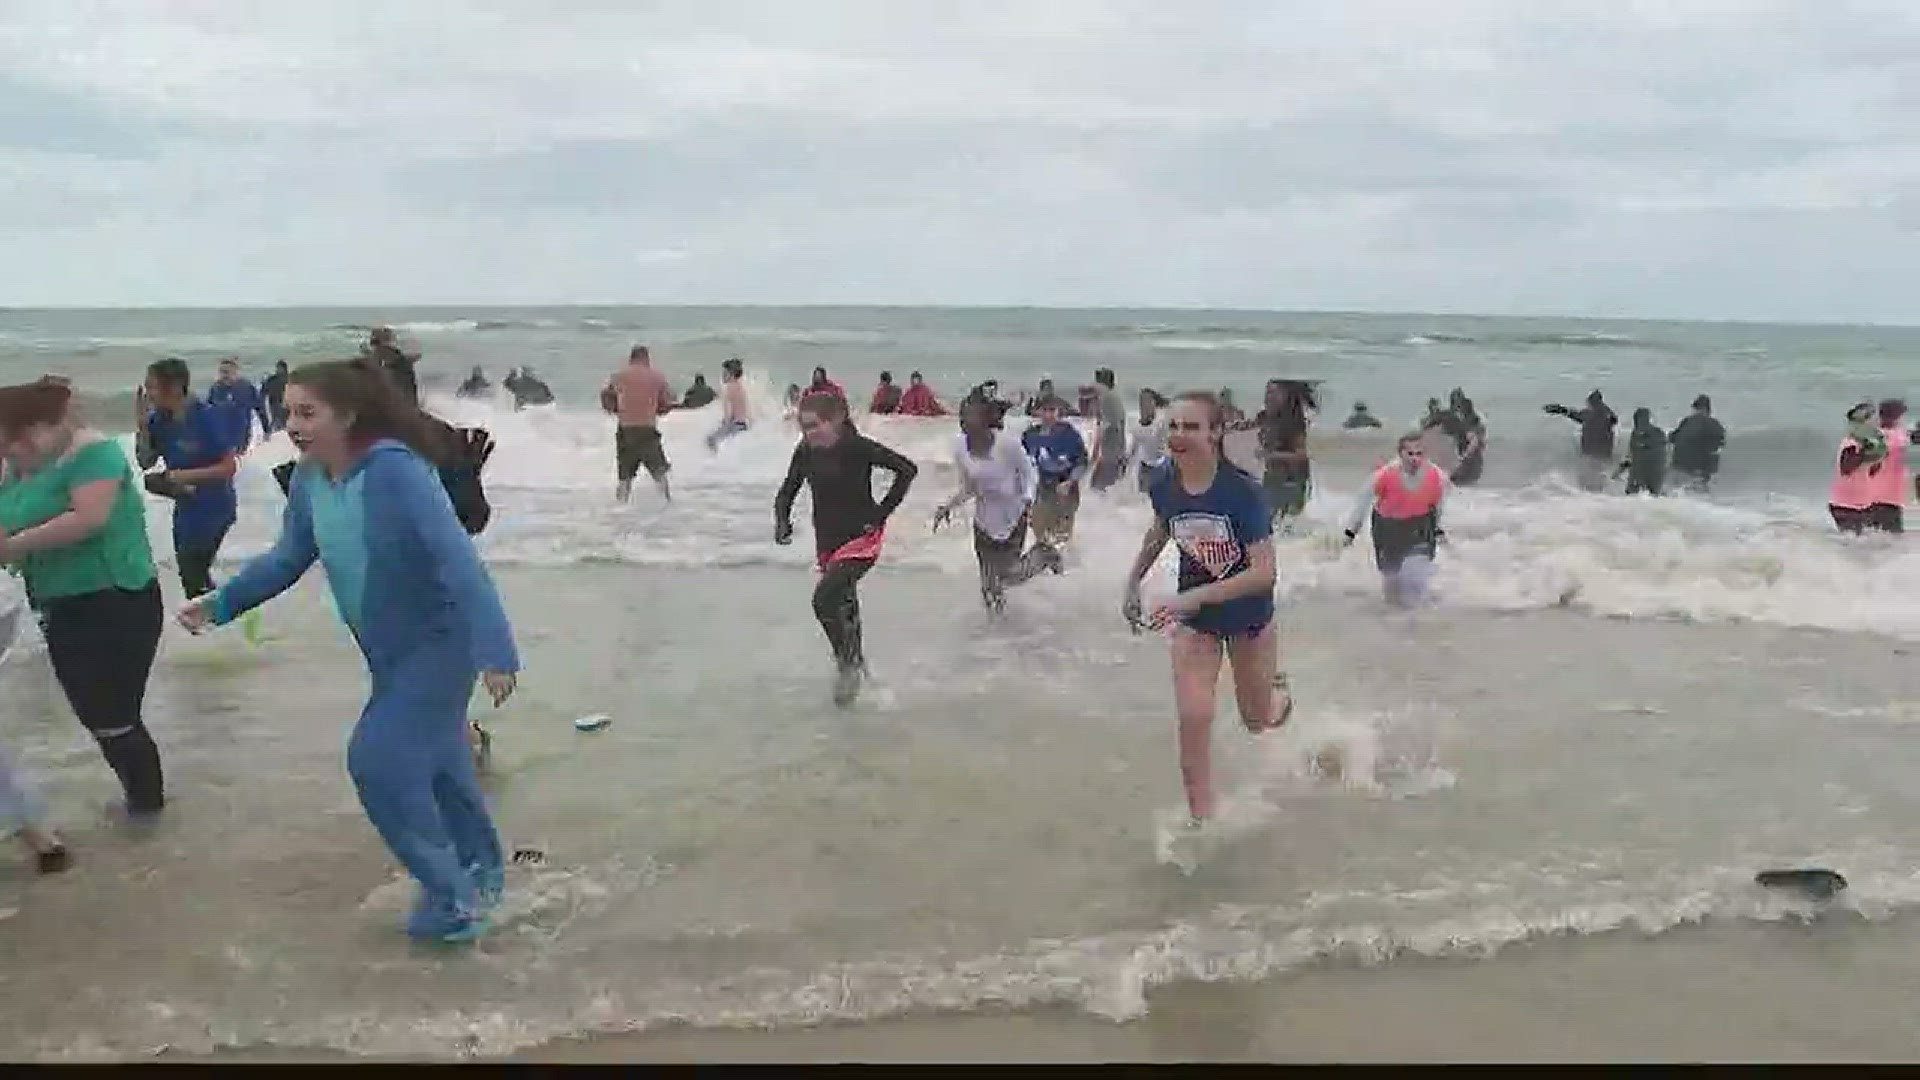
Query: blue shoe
<point>489,886</point>
<point>431,921</point>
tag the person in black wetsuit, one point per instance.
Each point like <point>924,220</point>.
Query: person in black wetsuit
<point>1646,464</point>
<point>699,395</point>
<point>1469,439</point>
<point>1597,422</point>
<point>1288,474</point>
<point>837,463</point>
<point>475,385</point>
<point>273,389</point>
<point>1696,444</point>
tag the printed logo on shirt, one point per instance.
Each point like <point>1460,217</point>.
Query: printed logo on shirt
<point>1208,540</point>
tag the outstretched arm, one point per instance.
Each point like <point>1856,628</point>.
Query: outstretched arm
<point>275,572</point>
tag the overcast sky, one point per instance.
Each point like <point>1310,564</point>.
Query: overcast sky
<point>1739,159</point>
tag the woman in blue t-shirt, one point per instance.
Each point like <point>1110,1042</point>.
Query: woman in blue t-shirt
<point>1217,516</point>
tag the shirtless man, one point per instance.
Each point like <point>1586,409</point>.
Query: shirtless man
<point>640,395</point>
<point>733,404</point>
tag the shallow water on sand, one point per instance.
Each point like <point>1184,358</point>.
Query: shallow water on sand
<point>978,835</point>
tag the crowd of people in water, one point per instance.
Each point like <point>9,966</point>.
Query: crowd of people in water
<point>387,497</point>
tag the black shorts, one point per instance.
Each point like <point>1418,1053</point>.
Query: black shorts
<point>999,556</point>
<point>639,447</point>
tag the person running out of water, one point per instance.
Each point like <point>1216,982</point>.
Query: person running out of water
<point>998,476</point>
<point>201,462</point>
<point>823,385</point>
<point>640,396</point>
<point>919,400</point>
<point>1469,439</point>
<point>886,396</point>
<point>475,384</point>
<point>73,525</point>
<point>734,416</point>
<point>1856,480</point>
<point>1217,517</point>
<point>1597,422</point>
<point>1148,450</point>
<point>1361,418</point>
<point>1060,456</point>
<point>1890,505</point>
<point>1045,392</point>
<point>1230,412</point>
<point>836,463</point>
<point>699,395</point>
<point>365,503</point>
<point>273,389</point>
<point>1110,443</point>
<point>384,350</point>
<point>235,402</point>
<point>527,389</point>
<point>1403,501</point>
<point>1646,464</point>
<point>1697,442</point>
<point>1287,476</point>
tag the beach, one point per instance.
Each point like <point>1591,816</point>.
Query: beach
<point>1556,784</point>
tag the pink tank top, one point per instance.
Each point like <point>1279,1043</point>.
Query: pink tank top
<point>1856,492</point>
<point>1393,499</point>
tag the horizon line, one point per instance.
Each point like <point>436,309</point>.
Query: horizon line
<point>1182,309</point>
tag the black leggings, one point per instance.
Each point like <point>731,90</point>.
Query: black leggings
<point>102,645</point>
<point>1003,564</point>
<point>836,603</point>
<point>196,564</point>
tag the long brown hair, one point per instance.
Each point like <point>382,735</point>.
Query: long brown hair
<point>42,401</point>
<point>362,390</point>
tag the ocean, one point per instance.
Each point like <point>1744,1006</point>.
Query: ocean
<point>1559,781</point>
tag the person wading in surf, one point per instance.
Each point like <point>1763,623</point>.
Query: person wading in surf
<point>1403,500</point>
<point>1000,479</point>
<point>1217,517</point>
<point>836,463</point>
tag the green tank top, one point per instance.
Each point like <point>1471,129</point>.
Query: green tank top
<point>118,556</point>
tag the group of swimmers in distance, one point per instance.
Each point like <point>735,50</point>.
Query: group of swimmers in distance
<point>388,498</point>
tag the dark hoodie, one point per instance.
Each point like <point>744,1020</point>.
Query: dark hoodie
<point>1596,421</point>
<point>841,479</point>
<point>1697,441</point>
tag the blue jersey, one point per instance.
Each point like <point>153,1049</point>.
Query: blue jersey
<point>196,441</point>
<point>1056,453</point>
<point>235,404</point>
<point>1214,531</point>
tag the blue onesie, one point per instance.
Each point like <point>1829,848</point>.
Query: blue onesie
<point>412,589</point>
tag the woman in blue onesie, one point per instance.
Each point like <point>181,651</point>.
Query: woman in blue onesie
<point>1217,516</point>
<point>366,503</point>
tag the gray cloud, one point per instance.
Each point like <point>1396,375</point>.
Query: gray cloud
<point>1710,158</point>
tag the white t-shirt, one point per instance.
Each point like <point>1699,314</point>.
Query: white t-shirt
<point>1003,483</point>
<point>1149,440</point>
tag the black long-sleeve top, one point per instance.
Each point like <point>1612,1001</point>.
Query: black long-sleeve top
<point>841,478</point>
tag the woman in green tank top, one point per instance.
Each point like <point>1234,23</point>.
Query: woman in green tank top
<point>73,526</point>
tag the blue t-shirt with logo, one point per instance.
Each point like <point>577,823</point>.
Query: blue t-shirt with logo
<point>234,406</point>
<point>1056,452</point>
<point>195,441</point>
<point>1213,531</point>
